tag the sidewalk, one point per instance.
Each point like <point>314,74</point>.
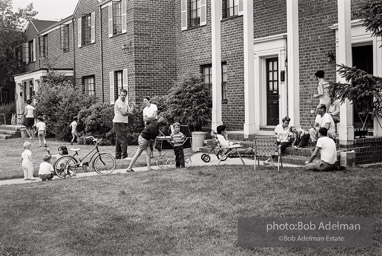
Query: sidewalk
<point>195,158</point>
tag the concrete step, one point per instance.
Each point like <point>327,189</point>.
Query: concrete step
<point>11,127</point>
<point>10,132</point>
<point>5,136</point>
<point>305,152</point>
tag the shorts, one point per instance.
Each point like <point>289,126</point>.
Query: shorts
<point>142,143</point>
<point>29,122</point>
<point>46,176</point>
<point>41,134</point>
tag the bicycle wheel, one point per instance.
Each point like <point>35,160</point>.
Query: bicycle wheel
<point>104,164</point>
<point>64,165</point>
<point>206,158</point>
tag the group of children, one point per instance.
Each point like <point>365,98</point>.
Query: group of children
<point>46,171</point>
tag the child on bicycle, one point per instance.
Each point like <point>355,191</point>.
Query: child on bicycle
<point>178,138</point>
<point>46,171</point>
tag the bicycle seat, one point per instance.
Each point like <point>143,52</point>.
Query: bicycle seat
<point>75,149</point>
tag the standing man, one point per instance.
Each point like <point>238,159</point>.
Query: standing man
<point>328,152</point>
<point>120,122</point>
<point>150,112</point>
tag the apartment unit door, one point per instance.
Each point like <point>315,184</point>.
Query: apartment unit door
<point>272,91</point>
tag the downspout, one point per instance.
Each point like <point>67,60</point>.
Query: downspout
<point>74,54</point>
<point>101,54</point>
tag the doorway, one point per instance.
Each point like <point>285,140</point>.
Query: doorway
<point>272,85</point>
<point>363,59</point>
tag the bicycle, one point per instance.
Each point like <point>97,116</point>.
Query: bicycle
<point>101,163</point>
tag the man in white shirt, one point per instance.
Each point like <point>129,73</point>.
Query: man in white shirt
<point>120,124</point>
<point>323,120</point>
<point>328,152</point>
<point>150,112</point>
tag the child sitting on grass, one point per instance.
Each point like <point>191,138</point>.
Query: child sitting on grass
<point>46,171</point>
<point>178,138</point>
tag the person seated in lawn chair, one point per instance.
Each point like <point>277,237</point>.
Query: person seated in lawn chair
<point>221,137</point>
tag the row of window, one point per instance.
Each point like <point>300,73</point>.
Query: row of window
<point>194,12</point>
<point>118,81</point>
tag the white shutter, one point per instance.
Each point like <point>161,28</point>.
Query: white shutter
<point>110,20</point>
<point>34,50</point>
<point>92,28</point>
<point>183,7</point>
<point>112,93</point>
<point>203,12</point>
<point>124,16</point>
<point>241,4</point>
<point>125,83</point>
<point>25,53</point>
<point>79,27</point>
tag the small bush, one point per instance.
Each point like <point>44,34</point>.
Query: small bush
<point>96,120</point>
<point>8,110</point>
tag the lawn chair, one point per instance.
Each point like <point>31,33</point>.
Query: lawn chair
<point>226,152</point>
<point>266,147</point>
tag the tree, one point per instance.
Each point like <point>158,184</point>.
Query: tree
<point>59,101</point>
<point>11,35</point>
<point>362,86</point>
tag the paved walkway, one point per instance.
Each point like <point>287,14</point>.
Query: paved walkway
<point>195,158</point>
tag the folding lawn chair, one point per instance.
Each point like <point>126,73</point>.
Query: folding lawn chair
<point>228,151</point>
<point>266,147</point>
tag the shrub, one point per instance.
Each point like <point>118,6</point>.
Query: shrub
<point>189,102</point>
<point>60,102</point>
<point>96,120</point>
<point>8,110</point>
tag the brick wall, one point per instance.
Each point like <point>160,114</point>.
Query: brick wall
<point>57,58</point>
<point>154,47</point>
<point>269,17</point>
<point>30,34</point>
<point>316,39</point>
<point>88,57</point>
<point>368,150</point>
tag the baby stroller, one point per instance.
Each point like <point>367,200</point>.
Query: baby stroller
<point>166,158</point>
<point>215,148</point>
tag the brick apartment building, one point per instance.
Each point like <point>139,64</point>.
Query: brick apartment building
<point>259,56</point>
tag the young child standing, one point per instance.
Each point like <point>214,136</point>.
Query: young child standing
<point>177,138</point>
<point>27,164</point>
<point>41,129</point>
<point>46,171</point>
<point>73,125</point>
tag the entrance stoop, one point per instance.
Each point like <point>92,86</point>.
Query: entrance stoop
<point>10,131</point>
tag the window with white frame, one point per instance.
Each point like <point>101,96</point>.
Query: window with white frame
<point>207,78</point>
<point>224,82</point>
<point>117,23</point>
<point>89,85</point>
<point>86,29</point>
<point>43,46</point>
<point>193,13</point>
<point>118,80</point>
<point>117,18</point>
<point>65,38</point>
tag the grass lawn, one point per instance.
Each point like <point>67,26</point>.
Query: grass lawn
<point>179,212</point>
<point>10,160</point>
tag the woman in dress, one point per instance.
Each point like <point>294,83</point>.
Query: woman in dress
<point>323,89</point>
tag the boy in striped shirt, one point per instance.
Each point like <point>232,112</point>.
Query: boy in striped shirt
<point>177,138</point>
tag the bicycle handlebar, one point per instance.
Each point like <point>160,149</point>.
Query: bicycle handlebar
<point>94,139</point>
